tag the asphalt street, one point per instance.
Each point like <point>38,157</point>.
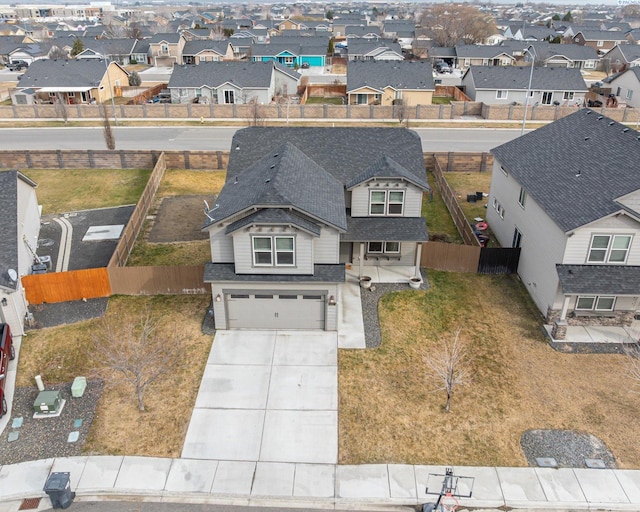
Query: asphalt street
<point>219,138</point>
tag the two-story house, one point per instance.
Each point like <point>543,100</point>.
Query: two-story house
<point>626,86</point>
<point>568,194</point>
<point>298,205</point>
<point>166,49</point>
<point>19,229</point>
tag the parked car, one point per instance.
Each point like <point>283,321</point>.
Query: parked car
<point>305,65</point>
<point>442,67</point>
<point>7,353</point>
<point>17,65</point>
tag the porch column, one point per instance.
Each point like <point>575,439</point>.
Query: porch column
<point>418,258</point>
<point>565,307</point>
<point>361,259</point>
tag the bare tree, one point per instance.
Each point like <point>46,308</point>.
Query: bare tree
<point>401,111</point>
<point>138,349</point>
<point>60,105</point>
<point>449,366</point>
<point>632,364</point>
<point>109,137</point>
<point>451,24</point>
<point>255,115</point>
<point>133,31</point>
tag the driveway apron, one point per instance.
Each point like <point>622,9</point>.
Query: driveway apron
<point>268,396</point>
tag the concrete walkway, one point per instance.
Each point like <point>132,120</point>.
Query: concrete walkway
<point>316,485</point>
<point>267,396</point>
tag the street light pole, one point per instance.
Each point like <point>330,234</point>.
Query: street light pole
<point>113,103</point>
<point>526,99</point>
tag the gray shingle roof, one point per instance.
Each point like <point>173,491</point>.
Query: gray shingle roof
<point>9,224</point>
<point>547,161</point>
<point>400,75</point>
<point>517,78</point>
<point>283,177</point>
<point>274,216</point>
<point>214,74</point>
<point>199,45</point>
<point>599,279</point>
<point>630,52</point>
<point>343,152</point>
<point>476,51</point>
<point>168,37</point>
<point>61,73</point>
<point>386,167</point>
<point>364,46</point>
<point>442,51</point>
<point>602,35</point>
<point>322,273</point>
<point>108,46</point>
<point>573,52</point>
<point>392,229</point>
<point>295,46</point>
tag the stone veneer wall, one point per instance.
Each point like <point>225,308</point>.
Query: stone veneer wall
<point>613,318</point>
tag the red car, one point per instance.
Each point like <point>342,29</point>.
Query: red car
<point>7,353</point>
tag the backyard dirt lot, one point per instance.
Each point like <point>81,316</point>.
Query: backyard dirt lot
<point>179,219</point>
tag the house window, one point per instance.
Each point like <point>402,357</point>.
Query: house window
<point>629,94</point>
<point>265,256</point>
<point>517,238</point>
<point>164,49</point>
<point>531,93</point>
<point>501,95</point>
<point>229,97</point>
<point>383,247</point>
<point>504,171</point>
<point>618,91</point>
<point>595,303</point>
<point>498,208</point>
<point>522,199</point>
<point>288,61</point>
<point>386,202</point>
<point>362,99</point>
<point>600,43</point>
<point>568,95</point>
<point>609,249</point>
<point>547,97</point>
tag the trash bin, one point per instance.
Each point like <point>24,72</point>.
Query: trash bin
<point>58,488</point>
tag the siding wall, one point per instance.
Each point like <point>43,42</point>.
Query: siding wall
<point>326,247</point>
<point>244,254</point>
<point>543,242</point>
<point>412,198</point>
<point>221,245</point>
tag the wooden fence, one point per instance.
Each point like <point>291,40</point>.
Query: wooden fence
<point>158,280</point>
<point>458,216</point>
<point>450,257</point>
<point>132,229</point>
<point>66,286</point>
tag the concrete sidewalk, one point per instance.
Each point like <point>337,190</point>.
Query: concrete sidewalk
<point>315,485</point>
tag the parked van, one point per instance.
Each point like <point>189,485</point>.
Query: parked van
<point>7,353</point>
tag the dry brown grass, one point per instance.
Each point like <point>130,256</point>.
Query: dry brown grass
<point>389,413</point>
<point>61,353</point>
<point>180,182</point>
<point>64,190</point>
<point>464,183</point>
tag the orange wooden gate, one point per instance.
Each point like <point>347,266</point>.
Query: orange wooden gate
<point>65,286</point>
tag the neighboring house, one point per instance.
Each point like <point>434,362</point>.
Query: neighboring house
<point>568,194</point>
<point>564,55</point>
<point>409,83</point>
<point>292,52</point>
<point>141,52</point>
<point>19,229</point>
<point>77,81</point>
<point>299,204</point>
<point>479,55</point>
<point>232,82</point>
<point>381,50</point>
<point>623,56</point>
<point>626,87</point>
<point>195,52</point>
<point>504,85</point>
<point>599,40</point>
<point>194,34</point>
<point>362,32</point>
<point>166,49</point>
<point>117,50</point>
<point>28,53</point>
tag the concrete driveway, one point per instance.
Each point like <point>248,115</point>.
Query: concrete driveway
<point>268,396</point>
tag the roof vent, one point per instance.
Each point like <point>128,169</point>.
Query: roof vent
<point>611,123</point>
<point>587,138</point>
<point>272,167</point>
<point>267,180</point>
<point>579,173</point>
<point>275,156</point>
<point>600,117</point>
<point>625,130</point>
<point>589,112</point>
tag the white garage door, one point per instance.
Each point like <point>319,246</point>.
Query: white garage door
<point>270,310</point>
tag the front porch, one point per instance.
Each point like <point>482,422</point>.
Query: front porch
<point>594,338</point>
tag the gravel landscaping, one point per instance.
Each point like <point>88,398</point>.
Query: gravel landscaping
<point>568,448</point>
<point>48,437</point>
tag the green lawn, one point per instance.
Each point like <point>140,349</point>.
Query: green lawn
<point>441,100</point>
<point>64,190</point>
<point>441,226</point>
<point>313,100</point>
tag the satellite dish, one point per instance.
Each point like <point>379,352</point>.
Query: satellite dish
<point>13,275</point>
